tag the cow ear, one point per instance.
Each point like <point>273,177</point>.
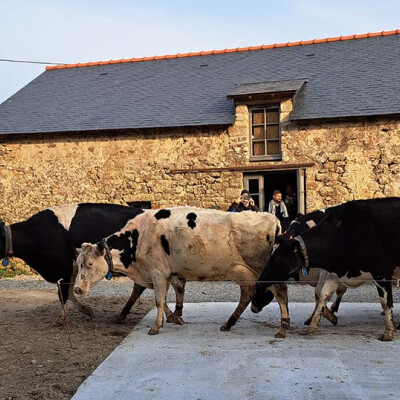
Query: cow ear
<point>100,248</point>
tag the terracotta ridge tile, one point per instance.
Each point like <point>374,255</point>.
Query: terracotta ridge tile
<point>226,51</point>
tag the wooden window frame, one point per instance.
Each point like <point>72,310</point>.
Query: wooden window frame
<point>265,157</point>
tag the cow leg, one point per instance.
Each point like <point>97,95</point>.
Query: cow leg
<point>328,288</point>
<point>179,286</point>
<point>281,296</point>
<point>136,292</point>
<point>160,292</point>
<point>321,281</point>
<point>386,298</point>
<point>309,319</point>
<point>328,314</point>
<point>246,294</point>
<point>340,291</point>
<point>240,274</point>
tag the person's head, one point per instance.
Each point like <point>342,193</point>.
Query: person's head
<point>277,196</point>
<point>289,191</point>
<point>245,195</point>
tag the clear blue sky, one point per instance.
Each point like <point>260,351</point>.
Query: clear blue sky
<point>92,30</point>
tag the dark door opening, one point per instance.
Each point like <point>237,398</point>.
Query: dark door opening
<point>263,184</point>
<point>286,183</point>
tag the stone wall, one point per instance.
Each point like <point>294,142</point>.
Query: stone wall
<point>352,160</point>
<point>46,170</point>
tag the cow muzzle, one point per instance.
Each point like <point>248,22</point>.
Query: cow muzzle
<point>78,290</point>
<point>255,309</point>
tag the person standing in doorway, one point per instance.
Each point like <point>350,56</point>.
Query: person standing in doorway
<point>290,202</point>
<point>277,207</point>
<point>243,203</point>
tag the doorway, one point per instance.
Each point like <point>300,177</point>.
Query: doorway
<point>261,186</point>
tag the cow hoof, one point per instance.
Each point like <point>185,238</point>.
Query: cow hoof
<point>334,320</point>
<point>225,328</point>
<point>175,319</point>
<point>310,330</point>
<point>153,331</point>
<point>281,334</point>
<point>331,318</point>
<point>385,337</point>
<point>308,322</point>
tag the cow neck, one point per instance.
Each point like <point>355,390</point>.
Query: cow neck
<point>109,260</point>
<point>8,245</point>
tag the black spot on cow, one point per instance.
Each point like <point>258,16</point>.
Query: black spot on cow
<point>135,238</point>
<point>165,244</point>
<point>191,217</point>
<point>126,246</point>
<point>162,214</point>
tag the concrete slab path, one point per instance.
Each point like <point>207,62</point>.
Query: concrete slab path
<point>198,362</point>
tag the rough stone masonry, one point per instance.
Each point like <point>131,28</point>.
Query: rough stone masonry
<point>351,160</point>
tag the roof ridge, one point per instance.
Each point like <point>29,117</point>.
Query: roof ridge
<point>225,51</point>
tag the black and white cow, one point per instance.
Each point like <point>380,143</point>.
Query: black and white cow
<point>325,283</point>
<point>46,241</point>
<point>192,243</point>
<point>358,241</point>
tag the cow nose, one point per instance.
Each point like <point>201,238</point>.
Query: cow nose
<point>78,290</point>
<point>254,309</point>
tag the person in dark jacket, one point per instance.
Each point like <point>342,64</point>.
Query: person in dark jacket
<point>243,203</point>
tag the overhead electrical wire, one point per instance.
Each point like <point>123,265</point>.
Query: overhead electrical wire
<point>30,62</point>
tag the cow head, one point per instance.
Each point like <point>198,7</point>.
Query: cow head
<point>92,267</point>
<point>285,262</point>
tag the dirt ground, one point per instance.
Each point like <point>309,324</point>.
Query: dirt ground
<point>36,360</point>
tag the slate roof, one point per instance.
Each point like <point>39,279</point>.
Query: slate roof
<point>345,78</point>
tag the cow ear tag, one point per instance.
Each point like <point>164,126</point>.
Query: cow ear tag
<point>304,272</point>
<point>5,262</point>
<point>108,275</point>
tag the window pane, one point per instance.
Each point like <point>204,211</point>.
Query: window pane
<point>273,147</point>
<point>273,132</point>
<point>259,148</point>
<point>253,186</point>
<point>258,117</point>
<point>258,132</point>
<point>272,116</point>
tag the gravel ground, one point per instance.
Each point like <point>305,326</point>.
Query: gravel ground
<point>198,291</point>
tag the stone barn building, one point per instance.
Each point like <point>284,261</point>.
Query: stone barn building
<point>321,116</point>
